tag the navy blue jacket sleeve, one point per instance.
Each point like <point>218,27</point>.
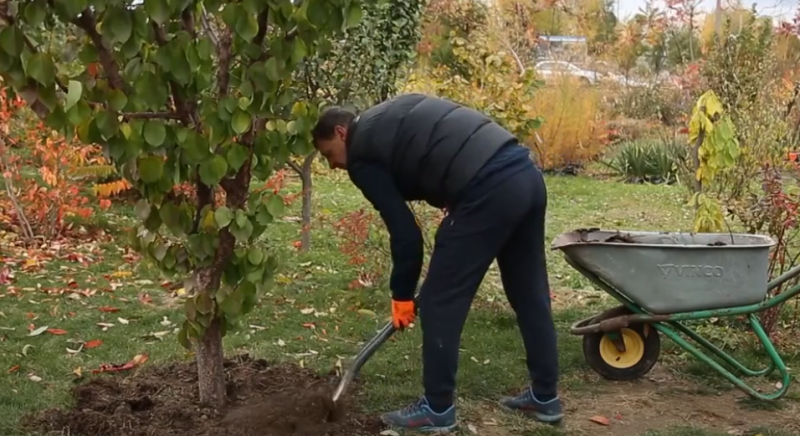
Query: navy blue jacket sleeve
<point>405,237</point>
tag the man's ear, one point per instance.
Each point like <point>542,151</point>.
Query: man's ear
<point>341,132</point>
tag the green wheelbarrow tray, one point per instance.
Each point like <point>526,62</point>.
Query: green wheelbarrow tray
<point>662,279</point>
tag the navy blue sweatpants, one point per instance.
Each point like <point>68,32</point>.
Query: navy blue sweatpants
<point>502,217</point>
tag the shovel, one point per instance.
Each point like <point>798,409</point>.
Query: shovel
<point>366,352</point>
<point>361,358</point>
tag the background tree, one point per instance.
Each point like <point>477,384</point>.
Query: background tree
<point>184,91</point>
<point>362,68</point>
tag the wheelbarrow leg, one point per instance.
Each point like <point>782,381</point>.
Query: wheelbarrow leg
<point>738,382</point>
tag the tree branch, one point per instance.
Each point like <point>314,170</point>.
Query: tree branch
<point>88,23</point>
<point>185,110</point>
<point>262,27</point>
<point>151,115</point>
<point>224,63</point>
<point>207,27</point>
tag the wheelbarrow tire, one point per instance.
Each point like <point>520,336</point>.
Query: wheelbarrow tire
<point>643,347</point>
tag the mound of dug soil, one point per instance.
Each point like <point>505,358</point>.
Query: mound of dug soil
<point>263,400</point>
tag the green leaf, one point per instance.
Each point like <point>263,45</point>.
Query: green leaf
<point>35,12</point>
<point>213,170</point>
<point>155,133</point>
<point>142,209</point>
<point>255,255</point>
<point>12,41</point>
<point>232,304</point>
<point>240,122</point>
<point>151,168</point>
<point>171,217</point>
<point>74,91</point>
<point>183,336</point>
<point>41,68</point>
<point>243,233</point>
<point>275,205</point>
<point>70,9</point>
<point>354,15</point>
<point>223,216</point>
<point>158,10</point>
<point>273,69</point>
<point>246,26</point>
<point>237,155</point>
<point>117,25</point>
<point>117,99</point>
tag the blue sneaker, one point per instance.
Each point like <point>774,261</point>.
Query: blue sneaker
<point>526,403</point>
<point>420,417</point>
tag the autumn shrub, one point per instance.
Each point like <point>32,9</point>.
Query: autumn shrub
<point>364,241</point>
<point>494,85</point>
<point>665,103</point>
<point>746,180</point>
<point>573,131</point>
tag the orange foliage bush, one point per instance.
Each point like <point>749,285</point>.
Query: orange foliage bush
<point>38,208</point>
<point>573,131</point>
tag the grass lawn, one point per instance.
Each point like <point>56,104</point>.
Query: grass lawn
<point>101,291</point>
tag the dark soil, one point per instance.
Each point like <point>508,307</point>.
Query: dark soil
<point>263,400</point>
<point>627,239</point>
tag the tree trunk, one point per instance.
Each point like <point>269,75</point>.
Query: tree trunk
<point>697,185</point>
<point>210,372</point>
<point>305,176</point>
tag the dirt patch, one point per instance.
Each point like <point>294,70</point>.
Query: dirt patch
<point>660,401</point>
<point>263,400</point>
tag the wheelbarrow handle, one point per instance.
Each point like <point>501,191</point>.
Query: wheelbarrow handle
<point>362,357</point>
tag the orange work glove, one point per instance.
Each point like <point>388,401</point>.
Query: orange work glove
<point>403,313</point>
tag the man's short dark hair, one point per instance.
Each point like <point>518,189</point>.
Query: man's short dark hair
<point>330,118</point>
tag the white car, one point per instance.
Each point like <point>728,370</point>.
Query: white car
<point>548,69</point>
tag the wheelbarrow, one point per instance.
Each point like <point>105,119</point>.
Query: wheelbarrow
<point>661,280</point>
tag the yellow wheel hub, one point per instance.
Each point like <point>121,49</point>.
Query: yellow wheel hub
<point>634,350</point>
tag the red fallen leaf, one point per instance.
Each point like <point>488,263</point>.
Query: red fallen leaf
<point>107,309</point>
<point>72,284</point>
<point>56,331</point>
<point>30,315</point>
<point>137,360</point>
<point>72,314</point>
<point>14,368</point>
<point>94,343</point>
<point>602,420</point>
<point>618,417</point>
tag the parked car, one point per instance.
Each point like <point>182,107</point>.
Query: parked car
<point>550,69</point>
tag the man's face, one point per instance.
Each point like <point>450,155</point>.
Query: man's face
<point>334,149</point>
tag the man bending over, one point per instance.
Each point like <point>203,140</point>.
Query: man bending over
<point>417,147</point>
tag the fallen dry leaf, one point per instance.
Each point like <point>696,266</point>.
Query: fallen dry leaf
<point>14,368</point>
<point>57,331</point>
<point>602,420</point>
<point>34,378</point>
<point>94,343</point>
<point>137,360</point>
<point>108,309</point>
<point>38,331</point>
